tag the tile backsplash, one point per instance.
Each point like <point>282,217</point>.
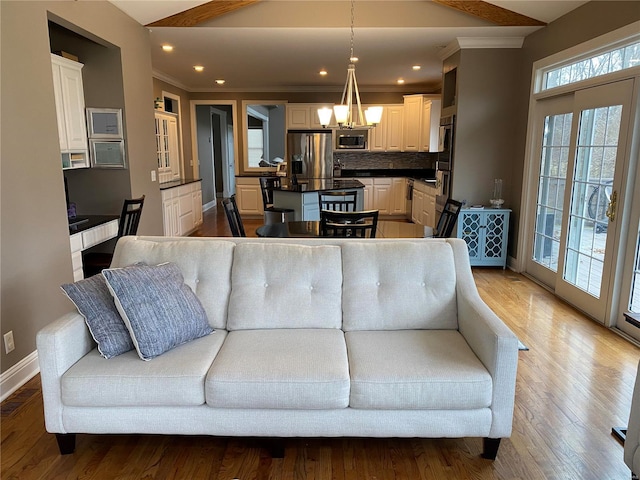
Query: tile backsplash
<point>385,160</point>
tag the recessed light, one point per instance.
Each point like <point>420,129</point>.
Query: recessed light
<point>220,81</point>
<point>416,67</point>
<point>400,81</point>
<point>167,48</point>
<point>198,68</point>
<point>322,72</point>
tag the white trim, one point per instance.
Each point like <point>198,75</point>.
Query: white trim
<point>209,205</point>
<point>175,97</point>
<point>479,42</point>
<point>18,375</point>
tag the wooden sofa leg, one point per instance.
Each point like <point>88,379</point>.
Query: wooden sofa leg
<point>66,442</point>
<point>490,448</point>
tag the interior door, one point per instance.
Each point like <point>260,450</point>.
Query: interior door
<point>583,156</point>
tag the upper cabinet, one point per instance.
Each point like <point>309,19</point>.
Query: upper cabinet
<point>69,98</point>
<point>167,148</point>
<point>387,135</point>
<point>421,123</point>
<point>303,116</point>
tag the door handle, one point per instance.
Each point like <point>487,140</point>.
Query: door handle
<point>611,208</point>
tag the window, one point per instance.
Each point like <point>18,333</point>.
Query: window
<point>612,60</point>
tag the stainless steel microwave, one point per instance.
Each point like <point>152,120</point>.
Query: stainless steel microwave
<point>351,139</point>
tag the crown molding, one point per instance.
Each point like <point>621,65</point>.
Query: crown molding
<point>170,80</point>
<point>461,43</point>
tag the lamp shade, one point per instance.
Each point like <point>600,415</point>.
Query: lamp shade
<point>373,115</point>
<point>324,114</point>
<point>342,113</point>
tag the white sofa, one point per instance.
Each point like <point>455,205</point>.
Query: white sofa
<point>313,338</point>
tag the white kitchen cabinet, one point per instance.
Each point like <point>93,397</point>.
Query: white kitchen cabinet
<point>249,196</point>
<point>70,113</point>
<point>303,116</point>
<point>398,204</point>
<point>416,206</point>
<point>167,147</point>
<point>421,123</point>
<point>387,135</point>
<point>382,195</point>
<point>78,242</point>
<point>368,193</point>
<point>423,206</point>
<point>182,209</point>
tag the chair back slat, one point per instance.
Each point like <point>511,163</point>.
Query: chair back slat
<point>233,216</point>
<point>348,224</point>
<point>267,184</point>
<point>130,216</point>
<point>338,201</point>
<point>448,219</point>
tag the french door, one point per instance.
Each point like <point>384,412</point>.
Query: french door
<point>581,188</point>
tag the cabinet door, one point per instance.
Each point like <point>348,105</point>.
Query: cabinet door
<point>197,206</point>
<point>416,207</point>
<point>425,128</point>
<point>412,122</point>
<point>249,199</point>
<point>394,120</point>
<point>298,117</point>
<point>429,210</point>
<point>382,195</point>
<point>378,134</point>
<point>470,225</point>
<point>399,196</point>
<point>174,152</point>
<point>73,104</point>
<point>57,91</point>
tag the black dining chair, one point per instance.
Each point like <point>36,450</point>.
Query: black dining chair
<point>271,213</point>
<point>233,216</point>
<point>339,201</point>
<point>448,219</point>
<point>94,262</point>
<point>348,224</point>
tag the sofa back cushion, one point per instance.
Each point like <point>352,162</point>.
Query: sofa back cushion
<point>204,264</point>
<point>397,286</point>
<point>285,286</point>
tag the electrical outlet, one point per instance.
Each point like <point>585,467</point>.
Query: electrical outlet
<point>9,346</point>
<point>153,175</point>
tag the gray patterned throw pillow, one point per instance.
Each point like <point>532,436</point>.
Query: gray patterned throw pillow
<point>158,308</point>
<point>95,303</point>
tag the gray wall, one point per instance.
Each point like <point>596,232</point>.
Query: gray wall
<point>205,152</point>
<point>35,257</point>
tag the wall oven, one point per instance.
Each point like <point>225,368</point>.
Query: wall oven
<point>444,164</point>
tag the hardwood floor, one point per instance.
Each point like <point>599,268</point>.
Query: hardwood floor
<point>573,385</point>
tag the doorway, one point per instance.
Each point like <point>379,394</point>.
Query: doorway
<point>578,237</point>
<point>214,134</point>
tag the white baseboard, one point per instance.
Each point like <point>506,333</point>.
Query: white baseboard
<point>209,205</point>
<point>18,375</point>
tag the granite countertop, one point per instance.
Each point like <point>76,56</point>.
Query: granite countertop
<point>177,183</point>
<point>321,184</point>
<point>90,222</point>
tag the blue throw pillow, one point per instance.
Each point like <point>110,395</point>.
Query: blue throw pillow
<point>158,308</point>
<point>95,303</point>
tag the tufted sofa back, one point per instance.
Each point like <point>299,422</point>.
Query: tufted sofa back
<point>317,283</point>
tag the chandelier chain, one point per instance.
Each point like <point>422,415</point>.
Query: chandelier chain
<point>352,22</point>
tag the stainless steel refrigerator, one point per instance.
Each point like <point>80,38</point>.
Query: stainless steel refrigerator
<point>310,155</point>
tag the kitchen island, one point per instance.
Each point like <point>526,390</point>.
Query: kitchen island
<point>303,197</point>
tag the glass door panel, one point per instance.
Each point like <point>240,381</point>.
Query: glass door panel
<point>589,245</point>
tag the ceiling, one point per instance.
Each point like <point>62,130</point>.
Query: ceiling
<point>281,45</point>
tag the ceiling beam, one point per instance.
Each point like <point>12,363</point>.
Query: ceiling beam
<point>492,13</point>
<point>202,13</point>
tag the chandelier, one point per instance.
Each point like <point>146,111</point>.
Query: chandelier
<point>344,113</point>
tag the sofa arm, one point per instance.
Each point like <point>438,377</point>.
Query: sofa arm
<point>490,339</point>
<point>60,345</point>
<point>632,440</point>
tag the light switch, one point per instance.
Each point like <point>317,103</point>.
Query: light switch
<point>153,175</point>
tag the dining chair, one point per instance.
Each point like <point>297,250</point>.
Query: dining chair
<point>273,214</point>
<point>233,216</point>
<point>94,262</point>
<point>344,201</point>
<point>348,224</point>
<point>448,219</point>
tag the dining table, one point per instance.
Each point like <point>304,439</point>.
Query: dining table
<point>311,228</point>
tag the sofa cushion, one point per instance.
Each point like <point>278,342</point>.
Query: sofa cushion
<point>282,369</point>
<point>285,286</point>
<point>95,303</point>
<point>159,310</point>
<point>399,286</point>
<point>416,369</point>
<point>175,378</point>
<point>205,265</point>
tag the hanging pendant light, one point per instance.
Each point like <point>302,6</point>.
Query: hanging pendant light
<point>344,112</point>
